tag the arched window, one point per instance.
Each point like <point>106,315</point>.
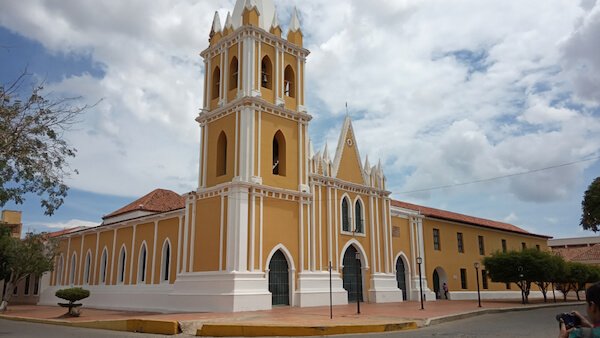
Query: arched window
<point>72,271</point>
<point>103,263</point>
<point>288,82</point>
<point>87,268</point>
<point>279,154</point>
<point>345,214</point>
<point>216,81</point>
<point>142,264</point>
<point>59,270</point>
<point>233,71</point>
<point>266,71</point>
<point>165,266</point>
<point>222,154</point>
<point>358,217</point>
<point>122,261</point>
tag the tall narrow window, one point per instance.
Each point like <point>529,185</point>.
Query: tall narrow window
<point>481,245</point>
<point>358,217</point>
<point>36,286</point>
<point>484,279</point>
<point>266,70</point>
<point>27,282</point>
<point>537,247</point>
<point>103,262</point>
<point>523,245</point>
<point>459,242</point>
<point>279,154</point>
<point>233,71</point>
<point>288,82</point>
<point>86,269</point>
<point>59,270</point>
<point>436,239</point>
<point>142,264</point>
<point>345,215</point>
<point>503,245</point>
<point>166,261</point>
<point>222,154</point>
<point>463,278</point>
<point>216,81</point>
<point>72,271</point>
<point>122,261</point>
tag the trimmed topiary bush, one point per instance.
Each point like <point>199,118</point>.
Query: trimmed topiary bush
<point>72,295</point>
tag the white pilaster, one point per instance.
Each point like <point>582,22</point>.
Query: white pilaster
<point>237,229</point>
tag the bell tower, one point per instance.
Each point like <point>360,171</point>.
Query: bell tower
<point>253,193</point>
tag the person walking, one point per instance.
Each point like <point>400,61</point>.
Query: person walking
<point>445,288</point>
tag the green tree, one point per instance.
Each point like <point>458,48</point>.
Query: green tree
<point>590,216</point>
<point>33,151</point>
<point>564,281</point>
<point>517,267</point>
<point>545,269</point>
<point>33,255</point>
<point>72,295</point>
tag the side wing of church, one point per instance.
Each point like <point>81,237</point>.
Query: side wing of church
<point>270,218</point>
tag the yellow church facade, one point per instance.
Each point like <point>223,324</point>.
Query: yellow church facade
<point>270,217</point>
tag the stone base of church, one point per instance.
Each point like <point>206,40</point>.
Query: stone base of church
<point>221,291</point>
<point>205,292</point>
<point>428,295</point>
<point>384,289</point>
<point>313,289</point>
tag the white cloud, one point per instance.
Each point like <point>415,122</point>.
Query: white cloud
<point>511,218</point>
<point>443,92</point>
<point>69,224</point>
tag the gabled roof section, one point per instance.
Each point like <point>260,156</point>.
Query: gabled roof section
<point>64,231</point>
<point>347,157</point>
<point>591,254</point>
<point>159,200</point>
<point>456,217</point>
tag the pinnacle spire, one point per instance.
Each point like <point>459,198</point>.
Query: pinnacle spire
<point>275,22</point>
<point>216,26</point>
<point>228,21</point>
<point>294,22</point>
<point>326,153</point>
<point>249,4</point>
<point>367,165</point>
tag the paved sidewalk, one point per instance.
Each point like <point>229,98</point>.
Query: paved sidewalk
<point>279,321</point>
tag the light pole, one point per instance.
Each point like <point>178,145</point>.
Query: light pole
<point>476,265</point>
<point>419,262</point>
<point>358,288</point>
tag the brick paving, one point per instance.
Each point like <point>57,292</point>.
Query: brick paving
<point>311,316</point>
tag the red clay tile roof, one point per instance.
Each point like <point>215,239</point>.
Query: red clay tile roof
<point>453,216</point>
<point>159,200</point>
<point>592,254</point>
<point>570,252</point>
<point>64,232</point>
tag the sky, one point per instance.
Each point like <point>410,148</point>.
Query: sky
<point>503,95</point>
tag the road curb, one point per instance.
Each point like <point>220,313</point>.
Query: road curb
<point>166,327</point>
<point>248,330</point>
<point>479,312</point>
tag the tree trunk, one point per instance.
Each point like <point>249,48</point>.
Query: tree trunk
<point>10,287</point>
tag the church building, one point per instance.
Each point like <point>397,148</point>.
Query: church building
<point>270,217</point>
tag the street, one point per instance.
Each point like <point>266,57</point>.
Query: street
<point>531,323</point>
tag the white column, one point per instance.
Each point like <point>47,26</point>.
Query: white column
<point>112,257</point>
<point>237,229</point>
<point>132,254</point>
<point>179,244</point>
<point>96,257</point>
<point>192,226</point>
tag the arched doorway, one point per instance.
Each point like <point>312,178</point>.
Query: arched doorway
<point>279,280</point>
<point>439,278</point>
<point>401,277</point>
<point>352,275</point>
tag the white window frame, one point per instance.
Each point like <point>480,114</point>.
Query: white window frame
<point>73,268</point>
<point>103,265</point>
<point>121,266</point>
<point>163,262</point>
<point>350,215</point>
<point>141,273</point>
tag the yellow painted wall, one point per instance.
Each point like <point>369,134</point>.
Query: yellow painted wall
<point>143,232</point>
<point>89,243</point>
<point>206,248</point>
<point>124,237</point>
<point>452,261</point>
<point>168,228</point>
<point>75,248</point>
<point>291,102</point>
<point>401,244</point>
<point>215,62</point>
<point>233,52</point>
<point>280,225</point>
<point>106,240</point>
<point>266,93</point>
<point>350,168</point>
<point>269,126</point>
<point>226,124</point>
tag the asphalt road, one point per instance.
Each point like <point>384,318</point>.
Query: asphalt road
<point>532,323</point>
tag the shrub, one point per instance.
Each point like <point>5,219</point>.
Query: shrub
<point>73,294</point>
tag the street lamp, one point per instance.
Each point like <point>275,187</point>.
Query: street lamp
<point>476,265</point>
<point>419,262</point>
<point>358,283</point>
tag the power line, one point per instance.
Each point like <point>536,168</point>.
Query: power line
<point>500,177</point>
